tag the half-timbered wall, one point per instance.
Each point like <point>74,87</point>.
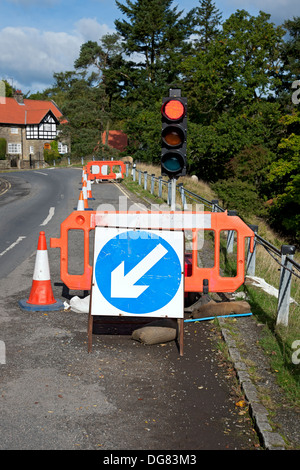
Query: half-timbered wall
<point>46,130</point>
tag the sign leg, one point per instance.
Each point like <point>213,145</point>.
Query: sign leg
<point>90,332</point>
<point>180,335</point>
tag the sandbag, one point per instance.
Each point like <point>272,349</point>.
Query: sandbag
<point>159,331</point>
<point>79,305</point>
<point>221,308</point>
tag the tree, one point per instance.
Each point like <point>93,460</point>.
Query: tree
<point>229,89</point>
<point>284,179</point>
<point>104,60</point>
<point>206,21</point>
<point>291,50</point>
<point>154,34</point>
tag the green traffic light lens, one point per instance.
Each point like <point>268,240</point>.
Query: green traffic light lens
<point>172,164</point>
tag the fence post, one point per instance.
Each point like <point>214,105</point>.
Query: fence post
<point>133,172</point>
<point>145,180</point>
<point>140,177</point>
<point>251,257</point>
<point>152,184</point>
<point>173,194</point>
<point>126,170</point>
<point>214,203</point>
<point>182,194</point>
<point>169,193</point>
<point>160,186</point>
<point>285,285</point>
<point>230,235</point>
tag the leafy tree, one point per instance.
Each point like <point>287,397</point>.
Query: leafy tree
<point>82,107</point>
<point>229,93</point>
<point>284,179</point>
<point>291,53</point>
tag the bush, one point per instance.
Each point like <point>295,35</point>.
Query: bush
<point>240,196</point>
<point>2,149</point>
<point>52,154</point>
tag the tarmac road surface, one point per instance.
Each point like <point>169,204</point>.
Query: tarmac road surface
<point>124,395</point>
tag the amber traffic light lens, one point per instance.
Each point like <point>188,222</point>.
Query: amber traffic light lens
<point>173,136</point>
<point>173,110</point>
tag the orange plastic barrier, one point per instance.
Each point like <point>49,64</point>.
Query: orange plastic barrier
<point>197,279</point>
<point>103,170</point>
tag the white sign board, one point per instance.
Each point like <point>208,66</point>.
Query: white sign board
<point>138,272</point>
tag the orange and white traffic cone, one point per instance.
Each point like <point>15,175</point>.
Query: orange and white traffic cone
<point>84,175</point>
<point>89,190</point>
<point>41,296</point>
<point>80,204</point>
<point>85,198</point>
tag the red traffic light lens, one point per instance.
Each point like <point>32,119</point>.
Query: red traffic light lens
<point>173,109</point>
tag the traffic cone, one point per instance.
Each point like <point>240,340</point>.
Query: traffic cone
<point>89,190</point>
<point>41,296</point>
<point>80,204</point>
<point>84,176</point>
<point>85,198</point>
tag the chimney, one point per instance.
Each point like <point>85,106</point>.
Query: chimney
<point>18,96</point>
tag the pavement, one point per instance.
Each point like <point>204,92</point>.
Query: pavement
<point>125,395</point>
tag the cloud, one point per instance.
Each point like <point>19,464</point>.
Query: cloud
<point>31,56</point>
<point>90,29</point>
<point>280,10</point>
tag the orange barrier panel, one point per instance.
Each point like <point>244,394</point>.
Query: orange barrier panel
<point>197,279</point>
<point>103,170</point>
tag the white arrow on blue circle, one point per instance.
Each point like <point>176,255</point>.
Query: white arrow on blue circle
<point>123,286</point>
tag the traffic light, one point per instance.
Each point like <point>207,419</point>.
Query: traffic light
<point>173,134</point>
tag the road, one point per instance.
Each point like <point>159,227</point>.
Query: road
<point>32,201</point>
<point>124,395</point>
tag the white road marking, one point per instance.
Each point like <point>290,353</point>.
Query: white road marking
<point>40,173</point>
<point>12,245</point>
<point>49,217</point>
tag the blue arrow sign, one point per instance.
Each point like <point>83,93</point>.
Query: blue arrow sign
<point>138,272</point>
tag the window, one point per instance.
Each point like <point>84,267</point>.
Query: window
<point>31,150</point>
<point>14,148</point>
<point>62,148</point>
<point>14,130</point>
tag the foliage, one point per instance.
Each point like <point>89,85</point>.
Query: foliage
<point>51,155</point>
<point>284,179</point>
<point>230,190</point>
<point>2,148</point>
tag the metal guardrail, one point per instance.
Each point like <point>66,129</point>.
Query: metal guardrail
<point>287,264</point>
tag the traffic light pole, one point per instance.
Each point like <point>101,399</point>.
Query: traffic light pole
<point>173,194</point>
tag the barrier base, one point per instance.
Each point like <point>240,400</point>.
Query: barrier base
<point>58,305</point>
<point>86,209</point>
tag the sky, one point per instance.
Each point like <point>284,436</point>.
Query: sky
<point>41,37</point>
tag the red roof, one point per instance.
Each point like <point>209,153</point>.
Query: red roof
<point>31,112</point>
<point>116,139</point>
